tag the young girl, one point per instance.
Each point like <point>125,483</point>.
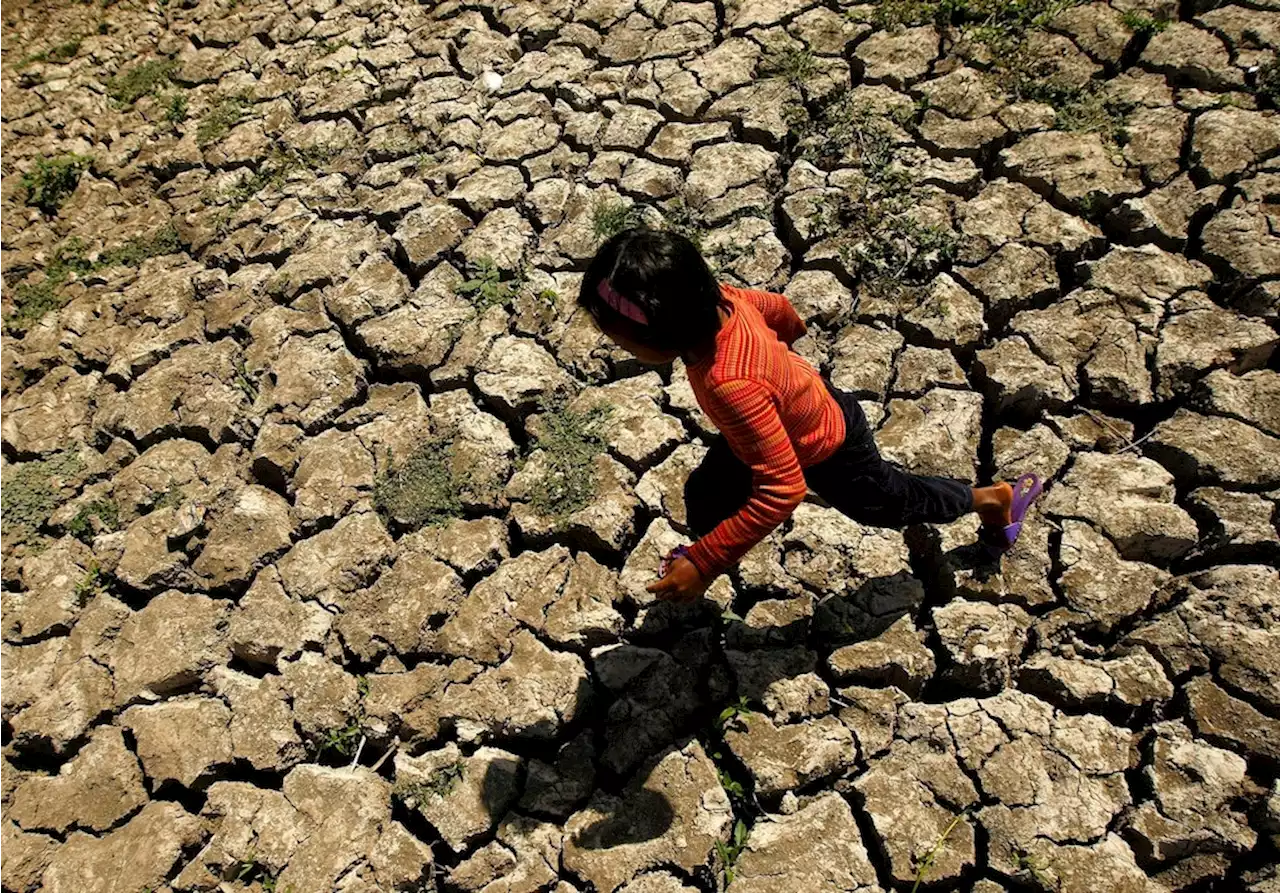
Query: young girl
<point>784,429</point>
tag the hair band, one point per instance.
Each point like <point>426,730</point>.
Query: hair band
<point>626,307</point>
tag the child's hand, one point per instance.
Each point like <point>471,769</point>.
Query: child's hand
<point>683,582</point>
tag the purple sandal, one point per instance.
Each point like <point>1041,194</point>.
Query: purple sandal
<point>677,552</point>
<point>999,540</point>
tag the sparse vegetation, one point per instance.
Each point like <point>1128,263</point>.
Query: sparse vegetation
<point>611,216</point>
<point>926,864</point>
<point>32,492</point>
<point>226,113</point>
<point>489,286</point>
<point>424,490</point>
<point>733,715</point>
<point>170,498</point>
<point>89,586</point>
<point>570,440</point>
<point>98,516</point>
<point>795,65</point>
<point>59,54</point>
<point>728,853</point>
<point>141,248</point>
<point>32,299</point>
<point>142,80</point>
<point>52,180</point>
<point>273,172</point>
<point>36,296</point>
<point>438,785</point>
<point>176,110</point>
<point>1028,864</point>
<point>1140,23</point>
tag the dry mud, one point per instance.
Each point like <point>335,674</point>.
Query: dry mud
<point>256,637</point>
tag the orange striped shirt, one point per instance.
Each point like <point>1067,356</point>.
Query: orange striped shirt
<point>774,411</point>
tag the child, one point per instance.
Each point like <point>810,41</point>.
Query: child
<point>784,429</point>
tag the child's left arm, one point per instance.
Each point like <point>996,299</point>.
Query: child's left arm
<point>778,314</point>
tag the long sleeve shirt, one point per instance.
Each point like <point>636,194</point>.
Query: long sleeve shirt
<point>773,409</point>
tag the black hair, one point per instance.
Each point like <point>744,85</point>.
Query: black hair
<point>664,274</point>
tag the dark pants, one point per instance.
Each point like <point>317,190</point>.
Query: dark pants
<point>854,479</point>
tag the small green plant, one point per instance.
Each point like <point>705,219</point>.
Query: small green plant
<point>735,789</point>
<point>106,514</point>
<point>679,217</point>
<point>728,853</point>
<point>570,440</point>
<point>795,65</point>
<point>422,491</point>
<point>142,80</point>
<point>611,216</point>
<point>244,383</point>
<point>1029,864</point>
<point>926,864</point>
<point>32,492</point>
<point>33,299</point>
<point>1268,83</point>
<point>171,498</point>
<point>176,110</point>
<point>89,586</point>
<point>48,184</point>
<point>62,53</point>
<point>488,287</point>
<point>1140,23</point>
<point>734,715</point>
<point>140,248</point>
<point>226,113</point>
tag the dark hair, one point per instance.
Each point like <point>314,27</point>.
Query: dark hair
<point>665,276</point>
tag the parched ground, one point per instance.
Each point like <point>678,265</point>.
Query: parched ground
<point>327,517</point>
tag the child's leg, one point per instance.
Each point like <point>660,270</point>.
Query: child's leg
<point>861,484</point>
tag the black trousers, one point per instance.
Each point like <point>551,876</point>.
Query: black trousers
<point>855,479</point>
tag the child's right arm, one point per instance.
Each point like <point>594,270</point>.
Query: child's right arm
<point>777,312</point>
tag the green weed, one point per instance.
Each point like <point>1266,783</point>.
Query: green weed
<point>570,440</point>
<point>170,498</point>
<point>611,216</point>
<point>226,113</point>
<point>1140,23</point>
<point>176,110</point>
<point>424,490</point>
<point>1028,864</point>
<point>100,515</point>
<point>488,287</point>
<point>795,65</point>
<point>141,248</point>
<point>926,864</point>
<point>679,217</point>
<point>32,300</point>
<point>733,715</point>
<point>32,492</point>
<point>52,180</point>
<point>60,54</point>
<point>438,785</point>
<point>90,585</point>
<point>728,853</point>
<point>142,80</point>
<point>244,383</point>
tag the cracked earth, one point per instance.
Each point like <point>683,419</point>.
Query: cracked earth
<point>257,254</point>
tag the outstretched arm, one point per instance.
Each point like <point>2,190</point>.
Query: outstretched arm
<point>746,415</point>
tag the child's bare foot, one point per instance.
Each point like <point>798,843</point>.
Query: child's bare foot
<point>994,504</point>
